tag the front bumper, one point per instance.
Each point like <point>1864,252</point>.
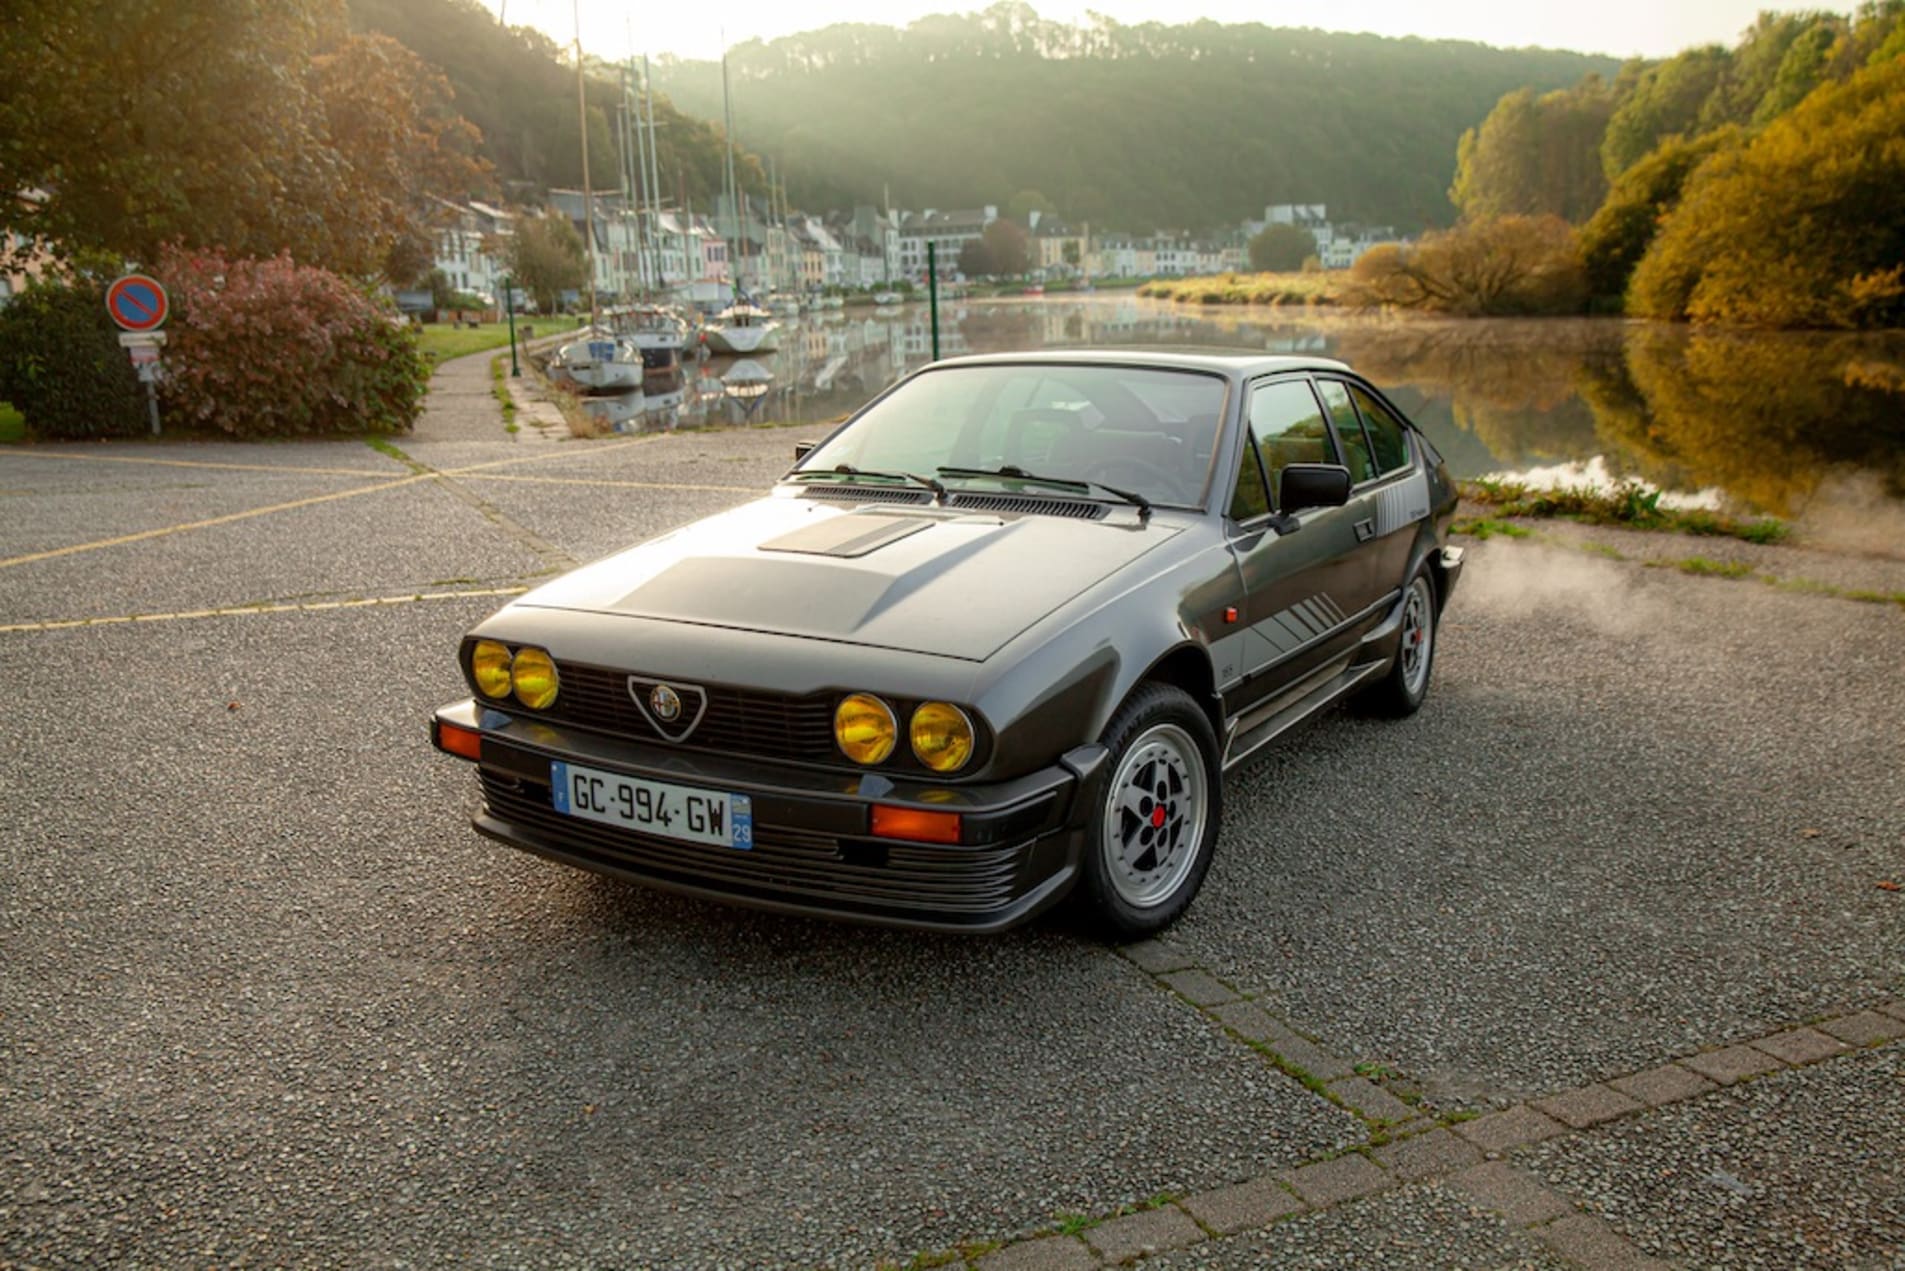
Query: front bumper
<point>814,853</point>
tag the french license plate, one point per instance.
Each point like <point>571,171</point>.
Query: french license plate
<point>684,813</point>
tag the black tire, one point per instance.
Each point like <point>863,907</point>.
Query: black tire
<point>1401,692</point>
<point>1145,856</point>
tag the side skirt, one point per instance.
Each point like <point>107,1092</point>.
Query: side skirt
<point>1269,720</point>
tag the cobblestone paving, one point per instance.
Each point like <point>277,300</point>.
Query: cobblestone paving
<point>1536,979</point>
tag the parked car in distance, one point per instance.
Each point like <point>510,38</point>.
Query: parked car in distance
<point>993,642</point>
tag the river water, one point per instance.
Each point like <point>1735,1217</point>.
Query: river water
<point>1799,425</point>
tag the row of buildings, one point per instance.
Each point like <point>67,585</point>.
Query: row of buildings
<point>700,258</point>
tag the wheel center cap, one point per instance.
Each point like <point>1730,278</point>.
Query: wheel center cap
<point>1157,817</point>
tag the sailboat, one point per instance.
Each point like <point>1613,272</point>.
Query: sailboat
<point>743,328</point>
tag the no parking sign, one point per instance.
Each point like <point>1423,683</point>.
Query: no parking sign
<point>137,303</point>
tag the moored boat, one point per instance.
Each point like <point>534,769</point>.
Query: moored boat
<point>742,329</point>
<point>600,363</point>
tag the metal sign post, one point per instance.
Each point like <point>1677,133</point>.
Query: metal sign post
<point>932,290</point>
<point>139,305</point>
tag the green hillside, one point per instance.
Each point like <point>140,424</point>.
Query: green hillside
<point>1128,126</point>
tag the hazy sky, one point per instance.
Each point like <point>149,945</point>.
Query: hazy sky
<point>1651,28</point>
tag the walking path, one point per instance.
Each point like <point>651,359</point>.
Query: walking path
<point>462,405</point>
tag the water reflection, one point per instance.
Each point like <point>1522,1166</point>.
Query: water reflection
<point>1749,421</point>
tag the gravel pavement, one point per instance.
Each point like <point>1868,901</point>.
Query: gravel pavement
<point>265,998</point>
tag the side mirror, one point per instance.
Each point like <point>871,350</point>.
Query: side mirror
<point>1312,485</point>
<point>802,449</point>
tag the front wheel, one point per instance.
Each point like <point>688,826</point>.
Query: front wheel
<point>1150,839</point>
<point>1401,691</point>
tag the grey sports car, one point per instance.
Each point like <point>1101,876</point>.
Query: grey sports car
<point>992,642</point>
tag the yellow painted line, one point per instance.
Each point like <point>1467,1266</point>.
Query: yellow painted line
<point>620,485</point>
<point>315,606</point>
<point>227,519</point>
<point>364,473</point>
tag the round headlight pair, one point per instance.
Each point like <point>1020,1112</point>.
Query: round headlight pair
<point>867,732</point>
<point>529,673</point>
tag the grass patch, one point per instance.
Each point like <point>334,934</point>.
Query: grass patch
<point>499,389</point>
<point>1483,527</point>
<point>1714,568</point>
<point>1629,505</point>
<point>441,342</point>
<point>12,423</point>
<point>1248,289</point>
<point>390,449</point>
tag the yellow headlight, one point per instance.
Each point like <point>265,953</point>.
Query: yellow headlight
<point>864,727</point>
<point>942,736</point>
<point>489,667</point>
<point>534,677</point>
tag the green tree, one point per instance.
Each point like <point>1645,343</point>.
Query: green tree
<point>1665,98</point>
<point>998,252</point>
<point>545,256</point>
<point>260,127</point>
<point>1021,205</point>
<point>1802,226</point>
<point>1281,248</point>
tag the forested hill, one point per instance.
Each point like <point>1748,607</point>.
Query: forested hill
<point>515,85</point>
<point>1131,127</point>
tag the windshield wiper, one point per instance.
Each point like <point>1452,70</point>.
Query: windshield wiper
<point>848,470</point>
<point>1011,472</point>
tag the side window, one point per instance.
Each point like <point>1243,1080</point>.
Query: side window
<point>1287,426</point>
<point>1385,432</point>
<point>1356,453</point>
<point>1250,499</point>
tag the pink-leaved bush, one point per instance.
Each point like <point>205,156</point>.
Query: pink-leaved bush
<point>271,348</point>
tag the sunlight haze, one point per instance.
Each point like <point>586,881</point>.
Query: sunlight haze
<point>1647,28</point>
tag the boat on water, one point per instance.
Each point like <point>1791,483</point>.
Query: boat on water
<point>658,334</point>
<point>600,362</point>
<point>741,330</point>
<point>888,298</point>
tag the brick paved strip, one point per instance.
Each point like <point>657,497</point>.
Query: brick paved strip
<point>1590,1105</point>
<point>1800,1046</point>
<point>1668,1083</point>
<point>1371,1099</point>
<point>1514,1194</point>
<point>1896,1009</point>
<point>1425,1155</point>
<point>1500,1131</point>
<point>1136,1235</point>
<point>1866,1028</point>
<point>1345,1178</point>
<point>1249,1020</point>
<point>1257,1203</point>
<point>1198,987</point>
<point>1156,957</point>
<point>1732,1063</point>
<point>1053,1253</point>
<point>1589,1241</point>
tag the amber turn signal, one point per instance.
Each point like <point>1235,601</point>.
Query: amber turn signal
<point>915,824</point>
<point>454,739</point>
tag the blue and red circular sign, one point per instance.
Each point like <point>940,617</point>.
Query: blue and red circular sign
<point>137,303</point>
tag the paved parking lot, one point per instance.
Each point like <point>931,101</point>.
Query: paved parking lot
<point>1466,990</point>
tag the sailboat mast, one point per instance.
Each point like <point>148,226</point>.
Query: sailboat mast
<point>588,194</point>
<point>654,166</point>
<point>734,205</point>
<point>638,156</point>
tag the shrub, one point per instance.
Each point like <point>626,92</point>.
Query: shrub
<point>12,423</point>
<point>61,365</point>
<point>1498,265</point>
<point>271,348</point>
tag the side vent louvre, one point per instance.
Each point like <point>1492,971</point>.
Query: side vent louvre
<point>864,494</point>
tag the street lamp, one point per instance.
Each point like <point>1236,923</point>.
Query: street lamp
<point>509,307</point>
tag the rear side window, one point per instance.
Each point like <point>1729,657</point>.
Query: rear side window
<point>1357,456</point>
<point>1385,432</point>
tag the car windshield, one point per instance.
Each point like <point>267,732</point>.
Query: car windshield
<point>1144,430</point>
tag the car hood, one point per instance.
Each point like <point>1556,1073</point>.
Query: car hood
<point>924,580</point>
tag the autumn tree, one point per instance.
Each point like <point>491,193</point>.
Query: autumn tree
<point>1615,238</point>
<point>999,251</point>
<point>1802,226</point>
<point>1535,156</point>
<point>1281,248</point>
<point>546,259</point>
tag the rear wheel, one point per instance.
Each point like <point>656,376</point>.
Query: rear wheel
<point>1401,691</point>
<point>1150,839</point>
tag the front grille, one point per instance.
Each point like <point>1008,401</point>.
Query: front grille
<point>856,874</point>
<point>737,721</point>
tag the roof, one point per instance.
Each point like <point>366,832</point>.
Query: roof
<point>1235,362</point>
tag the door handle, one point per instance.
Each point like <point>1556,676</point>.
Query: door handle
<point>1365,529</point>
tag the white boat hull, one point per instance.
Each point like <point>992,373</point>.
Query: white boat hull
<point>742,341</point>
